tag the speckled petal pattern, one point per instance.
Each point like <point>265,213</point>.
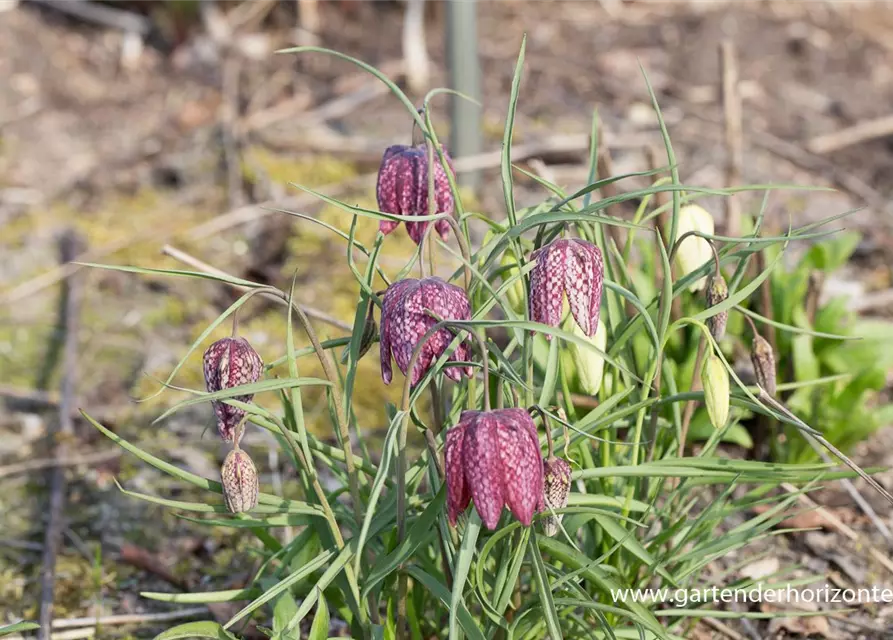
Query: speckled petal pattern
<point>404,322</point>
<point>494,457</point>
<point>228,363</point>
<point>483,468</point>
<point>572,268</point>
<point>458,494</point>
<point>402,189</point>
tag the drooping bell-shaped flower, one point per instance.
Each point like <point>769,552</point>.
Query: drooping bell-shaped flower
<point>572,268</point>
<point>402,189</point>
<point>494,458</point>
<point>229,363</point>
<point>404,322</point>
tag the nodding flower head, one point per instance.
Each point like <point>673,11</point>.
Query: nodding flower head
<point>404,322</point>
<point>403,189</point>
<point>567,267</point>
<point>228,363</point>
<point>494,458</point>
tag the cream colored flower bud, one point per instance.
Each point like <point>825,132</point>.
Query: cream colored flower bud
<point>715,380</point>
<point>239,479</point>
<point>693,251</point>
<point>585,367</point>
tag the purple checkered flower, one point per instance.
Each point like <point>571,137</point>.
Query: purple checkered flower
<point>494,457</point>
<point>404,322</point>
<point>228,363</point>
<point>567,267</point>
<point>403,189</point>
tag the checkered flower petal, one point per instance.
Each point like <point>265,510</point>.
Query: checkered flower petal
<point>556,487</point>
<point>494,458</point>
<point>522,464</point>
<point>572,268</point>
<point>228,363</point>
<point>404,322</point>
<point>402,189</point>
<point>458,493</point>
<point>484,467</point>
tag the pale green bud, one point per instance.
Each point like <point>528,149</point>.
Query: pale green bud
<point>693,251</point>
<point>585,367</point>
<point>715,380</point>
<point>515,292</point>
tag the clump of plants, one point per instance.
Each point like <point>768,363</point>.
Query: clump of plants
<point>551,471</point>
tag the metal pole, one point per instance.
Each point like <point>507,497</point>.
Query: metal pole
<point>465,77</point>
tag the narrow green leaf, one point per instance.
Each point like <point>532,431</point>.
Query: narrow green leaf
<point>196,630</point>
<point>229,595</point>
<point>544,590</point>
<point>320,628</point>
<point>461,569</point>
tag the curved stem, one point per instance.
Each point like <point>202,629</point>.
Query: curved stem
<point>248,296</point>
<point>463,248</point>
<point>550,444</point>
<point>753,327</point>
<point>717,269</point>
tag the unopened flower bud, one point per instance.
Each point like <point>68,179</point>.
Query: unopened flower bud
<point>239,479</point>
<point>693,251</point>
<point>763,364</point>
<point>370,333</point>
<point>584,367</point>
<point>717,291</point>
<point>715,380</point>
<point>556,486</point>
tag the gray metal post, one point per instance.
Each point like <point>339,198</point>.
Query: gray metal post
<point>465,77</point>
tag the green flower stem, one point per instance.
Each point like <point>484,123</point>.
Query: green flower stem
<point>328,365</point>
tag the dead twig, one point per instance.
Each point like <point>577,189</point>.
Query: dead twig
<point>194,262</point>
<point>68,249</point>
<point>228,116</point>
<point>50,463</point>
<point>136,618</point>
<point>100,14</point>
<point>856,134</point>
<point>731,103</point>
<point>841,526</point>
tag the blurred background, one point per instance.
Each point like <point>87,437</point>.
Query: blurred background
<point>165,134</point>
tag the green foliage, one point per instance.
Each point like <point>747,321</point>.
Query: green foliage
<point>373,546</point>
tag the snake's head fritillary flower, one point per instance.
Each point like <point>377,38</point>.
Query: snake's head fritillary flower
<point>572,268</point>
<point>228,363</point>
<point>693,251</point>
<point>556,486</point>
<point>238,477</point>
<point>493,457</point>
<point>402,189</point>
<point>405,321</point>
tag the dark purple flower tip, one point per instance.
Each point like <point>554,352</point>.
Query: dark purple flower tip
<point>402,189</point>
<point>404,322</point>
<point>494,458</point>
<point>229,363</point>
<point>573,268</point>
